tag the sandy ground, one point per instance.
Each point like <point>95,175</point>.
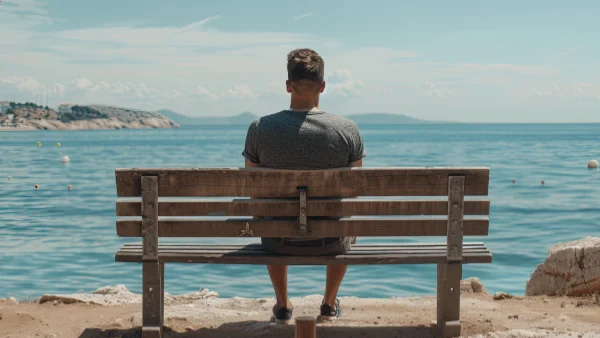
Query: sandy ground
<point>241,317</point>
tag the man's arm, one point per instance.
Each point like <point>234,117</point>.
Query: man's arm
<point>353,164</point>
<point>250,164</point>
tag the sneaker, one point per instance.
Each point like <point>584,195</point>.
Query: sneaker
<point>281,315</point>
<point>329,312</point>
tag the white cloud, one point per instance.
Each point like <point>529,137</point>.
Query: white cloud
<point>198,24</point>
<point>174,94</point>
<point>205,93</point>
<point>58,89</point>
<point>82,83</point>
<point>302,16</point>
<point>431,89</point>
<point>31,85</point>
<point>240,91</point>
<point>340,82</point>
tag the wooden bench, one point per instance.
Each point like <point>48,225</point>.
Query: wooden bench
<point>295,203</point>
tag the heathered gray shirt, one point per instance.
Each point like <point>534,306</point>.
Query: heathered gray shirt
<point>303,140</point>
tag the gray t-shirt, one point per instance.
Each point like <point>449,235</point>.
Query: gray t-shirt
<point>303,140</point>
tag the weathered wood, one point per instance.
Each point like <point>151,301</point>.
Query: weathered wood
<point>152,298</point>
<point>162,292</point>
<point>449,276</point>
<point>290,207</point>
<point>151,332</point>
<point>358,254</point>
<point>303,218</point>
<point>456,198</point>
<point>392,226</point>
<point>262,182</point>
<point>149,223</point>
<point>306,327</point>
<point>258,246</point>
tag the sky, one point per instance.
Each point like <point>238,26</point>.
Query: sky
<point>468,61</point>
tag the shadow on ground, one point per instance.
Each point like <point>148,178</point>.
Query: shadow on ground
<point>266,330</point>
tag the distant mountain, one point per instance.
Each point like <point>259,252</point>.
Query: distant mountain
<point>246,117</point>
<point>184,120</point>
<point>385,118</point>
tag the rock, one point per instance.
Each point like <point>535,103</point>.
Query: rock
<point>593,164</point>
<point>108,295</point>
<point>472,285</point>
<point>571,269</point>
<point>502,295</point>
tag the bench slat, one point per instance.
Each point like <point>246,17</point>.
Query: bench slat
<point>318,228</point>
<point>288,207</point>
<point>262,182</point>
<point>357,255</point>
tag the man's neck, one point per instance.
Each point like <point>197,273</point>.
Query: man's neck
<point>304,103</point>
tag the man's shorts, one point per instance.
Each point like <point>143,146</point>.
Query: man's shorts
<point>313,247</point>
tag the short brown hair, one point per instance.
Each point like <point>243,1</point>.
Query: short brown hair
<point>305,64</point>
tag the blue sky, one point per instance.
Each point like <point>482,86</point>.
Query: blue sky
<point>472,61</point>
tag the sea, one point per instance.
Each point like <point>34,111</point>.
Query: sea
<point>59,240</point>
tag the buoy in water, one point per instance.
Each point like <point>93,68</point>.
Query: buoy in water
<point>593,164</point>
<point>37,186</point>
<point>65,159</point>
<point>69,187</point>
<point>58,144</point>
<point>39,144</point>
<point>543,182</point>
<point>514,181</point>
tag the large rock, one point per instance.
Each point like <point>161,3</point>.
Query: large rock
<point>472,285</point>
<point>571,269</point>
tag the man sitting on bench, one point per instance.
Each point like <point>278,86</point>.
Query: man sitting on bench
<point>304,137</point>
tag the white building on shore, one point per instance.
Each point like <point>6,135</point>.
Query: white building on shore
<point>4,106</point>
<point>65,108</point>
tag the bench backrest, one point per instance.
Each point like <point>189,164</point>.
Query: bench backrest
<point>294,203</point>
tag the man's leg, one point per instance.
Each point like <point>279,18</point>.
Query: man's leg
<point>335,275</point>
<point>279,274</point>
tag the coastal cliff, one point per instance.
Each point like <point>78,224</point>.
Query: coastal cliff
<point>29,116</point>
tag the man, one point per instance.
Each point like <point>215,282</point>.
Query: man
<point>304,137</point>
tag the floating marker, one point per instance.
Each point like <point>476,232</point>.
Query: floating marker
<point>69,187</point>
<point>58,144</point>
<point>65,159</point>
<point>37,186</point>
<point>593,164</point>
<point>39,144</point>
<point>514,181</point>
<point>543,182</point>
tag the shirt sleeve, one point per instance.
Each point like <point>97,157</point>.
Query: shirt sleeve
<point>357,147</point>
<point>251,150</point>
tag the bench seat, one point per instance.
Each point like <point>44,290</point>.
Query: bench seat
<point>424,253</point>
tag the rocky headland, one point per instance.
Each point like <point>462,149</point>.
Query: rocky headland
<point>28,116</point>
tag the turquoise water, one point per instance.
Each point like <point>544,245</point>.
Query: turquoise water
<point>56,240</point>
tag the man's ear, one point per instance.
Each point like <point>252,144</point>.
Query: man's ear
<point>322,87</point>
<point>288,86</point>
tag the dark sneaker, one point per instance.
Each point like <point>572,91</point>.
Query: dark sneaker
<point>329,312</point>
<point>281,315</point>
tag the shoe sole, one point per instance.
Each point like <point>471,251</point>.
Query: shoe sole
<point>323,318</point>
<point>280,321</point>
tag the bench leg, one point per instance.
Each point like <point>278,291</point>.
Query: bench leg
<point>448,298</point>
<point>152,300</point>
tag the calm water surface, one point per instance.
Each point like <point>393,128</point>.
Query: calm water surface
<point>56,240</point>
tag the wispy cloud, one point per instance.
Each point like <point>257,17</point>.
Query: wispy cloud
<point>302,16</point>
<point>341,82</point>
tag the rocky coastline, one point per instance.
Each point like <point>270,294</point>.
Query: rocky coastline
<point>21,117</point>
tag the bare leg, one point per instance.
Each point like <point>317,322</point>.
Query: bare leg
<point>335,275</point>
<point>279,274</point>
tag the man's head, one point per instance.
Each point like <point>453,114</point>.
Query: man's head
<point>306,71</point>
